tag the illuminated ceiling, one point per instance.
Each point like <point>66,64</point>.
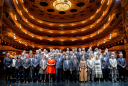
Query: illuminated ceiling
<point>48,24</point>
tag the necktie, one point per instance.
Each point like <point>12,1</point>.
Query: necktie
<point>75,61</point>
<point>26,60</point>
<point>59,59</point>
<point>105,59</point>
<point>35,61</point>
<point>67,62</point>
<point>18,60</point>
<point>83,64</point>
<point>71,57</point>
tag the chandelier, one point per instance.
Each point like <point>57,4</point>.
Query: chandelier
<point>62,5</point>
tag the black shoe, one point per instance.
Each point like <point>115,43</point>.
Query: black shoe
<point>32,82</point>
<point>60,81</point>
<point>36,81</point>
<point>104,81</point>
<point>55,81</point>
<point>115,80</point>
<point>124,80</point>
<point>68,81</point>
<point>93,81</point>
<point>5,82</point>
<point>9,82</point>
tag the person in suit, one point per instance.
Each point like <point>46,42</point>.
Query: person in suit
<point>89,52</point>
<point>59,67</point>
<point>108,54</point>
<point>68,51</point>
<point>13,66</point>
<point>83,55</point>
<point>113,66</point>
<point>79,54</point>
<point>83,70</point>
<point>64,55</point>
<point>100,55</point>
<point>18,67</point>
<point>35,68</point>
<point>105,66</point>
<point>71,56</point>
<point>7,67</point>
<point>83,49</point>
<point>31,53</point>
<point>90,68</point>
<point>96,52</point>
<point>40,54</point>
<point>113,53</point>
<point>67,67</point>
<point>121,66</point>
<point>75,68</point>
<point>76,53</point>
<point>42,70</point>
<point>30,68</point>
<point>26,65</point>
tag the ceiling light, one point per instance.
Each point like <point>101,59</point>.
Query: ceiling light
<point>62,5</point>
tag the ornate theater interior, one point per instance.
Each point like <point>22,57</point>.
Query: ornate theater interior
<point>33,24</point>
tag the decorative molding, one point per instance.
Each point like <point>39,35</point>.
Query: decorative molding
<point>1,2</point>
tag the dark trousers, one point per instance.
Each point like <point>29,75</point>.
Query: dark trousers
<point>67,74</point>
<point>105,73</point>
<point>35,71</point>
<point>43,77</point>
<point>7,74</point>
<point>58,74</point>
<point>122,73</point>
<point>26,74</point>
<point>13,72</point>
<point>18,74</point>
<point>75,75</point>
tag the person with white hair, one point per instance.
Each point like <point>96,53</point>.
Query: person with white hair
<point>7,67</point>
<point>113,53</point>
<point>113,66</point>
<point>108,54</point>
<point>121,66</point>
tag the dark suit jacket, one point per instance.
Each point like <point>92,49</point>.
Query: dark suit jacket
<point>18,64</point>
<point>7,62</point>
<point>26,64</point>
<point>69,57</point>
<point>108,55</point>
<point>67,67</point>
<point>121,62</point>
<point>37,63</point>
<point>103,63</point>
<point>59,64</point>
<point>75,66</point>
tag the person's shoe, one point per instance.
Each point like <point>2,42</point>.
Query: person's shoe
<point>60,81</point>
<point>93,81</point>
<point>55,81</point>
<point>76,81</point>
<point>68,81</point>
<point>124,80</point>
<point>9,82</point>
<point>36,81</point>
<point>104,81</point>
<point>5,82</point>
<point>32,82</point>
<point>113,81</point>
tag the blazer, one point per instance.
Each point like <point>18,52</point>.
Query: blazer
<point>26,64</point>
<point>41,71</point>
<point>108,55</point>
<point>103,63</point>
<point>7,62</point>
<point>75,66</point>
<point>67,66</point>
<point>59,64</point>
<point>113,63</point>
<point>69,57</point>
<point>90,65</point>
<point>121,62</point>
<point>37,63</point>
<point>18,64</point>
<point>89,53</point>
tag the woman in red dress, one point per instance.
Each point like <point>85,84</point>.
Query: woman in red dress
<point>51,68</point>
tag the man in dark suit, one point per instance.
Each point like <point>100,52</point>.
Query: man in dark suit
<point>59,67</point>
<point>35,67</point>
<point>7,67</point>
<point>68,51</point>
<point>79,54</point>
<point>75,68</point>
<point>89,52</point>
<point>105,66</point>
<point>71,56</point>
<point>83,49</point>
<point>18,67</point>
<point>108,54</point>
<point>26,65</point>
<point>67,67</point>
<point>64,55</point>
<point>121,66</point>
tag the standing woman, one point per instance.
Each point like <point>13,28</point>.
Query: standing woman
<point>51,68</point>
<point>42,70</point>
<point>83,70</point>
<point>30,72</point>
<point>98,70</point>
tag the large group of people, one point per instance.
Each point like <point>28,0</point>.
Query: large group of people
<point>76,65</point>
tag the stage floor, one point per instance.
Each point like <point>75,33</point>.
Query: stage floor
<point>67,84</point>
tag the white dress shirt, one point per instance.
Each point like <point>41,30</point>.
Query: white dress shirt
<point>13,62</point>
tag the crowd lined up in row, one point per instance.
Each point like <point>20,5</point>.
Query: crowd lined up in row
<point>78,65</point>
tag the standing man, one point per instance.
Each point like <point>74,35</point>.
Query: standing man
<point>59,67</point>
<point>105,66</point>
<point>67,67</point>
<point>75,68</point>
<point>79,54</point>
<point>71,55</point>
<point>108,54</point>
<point>18,67</point>
<point>113,66</point>
<point>26,65</point>
<point>90,66</point>
<point>7,67</point>
<point>121,66</point>
<point>35,68</point>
